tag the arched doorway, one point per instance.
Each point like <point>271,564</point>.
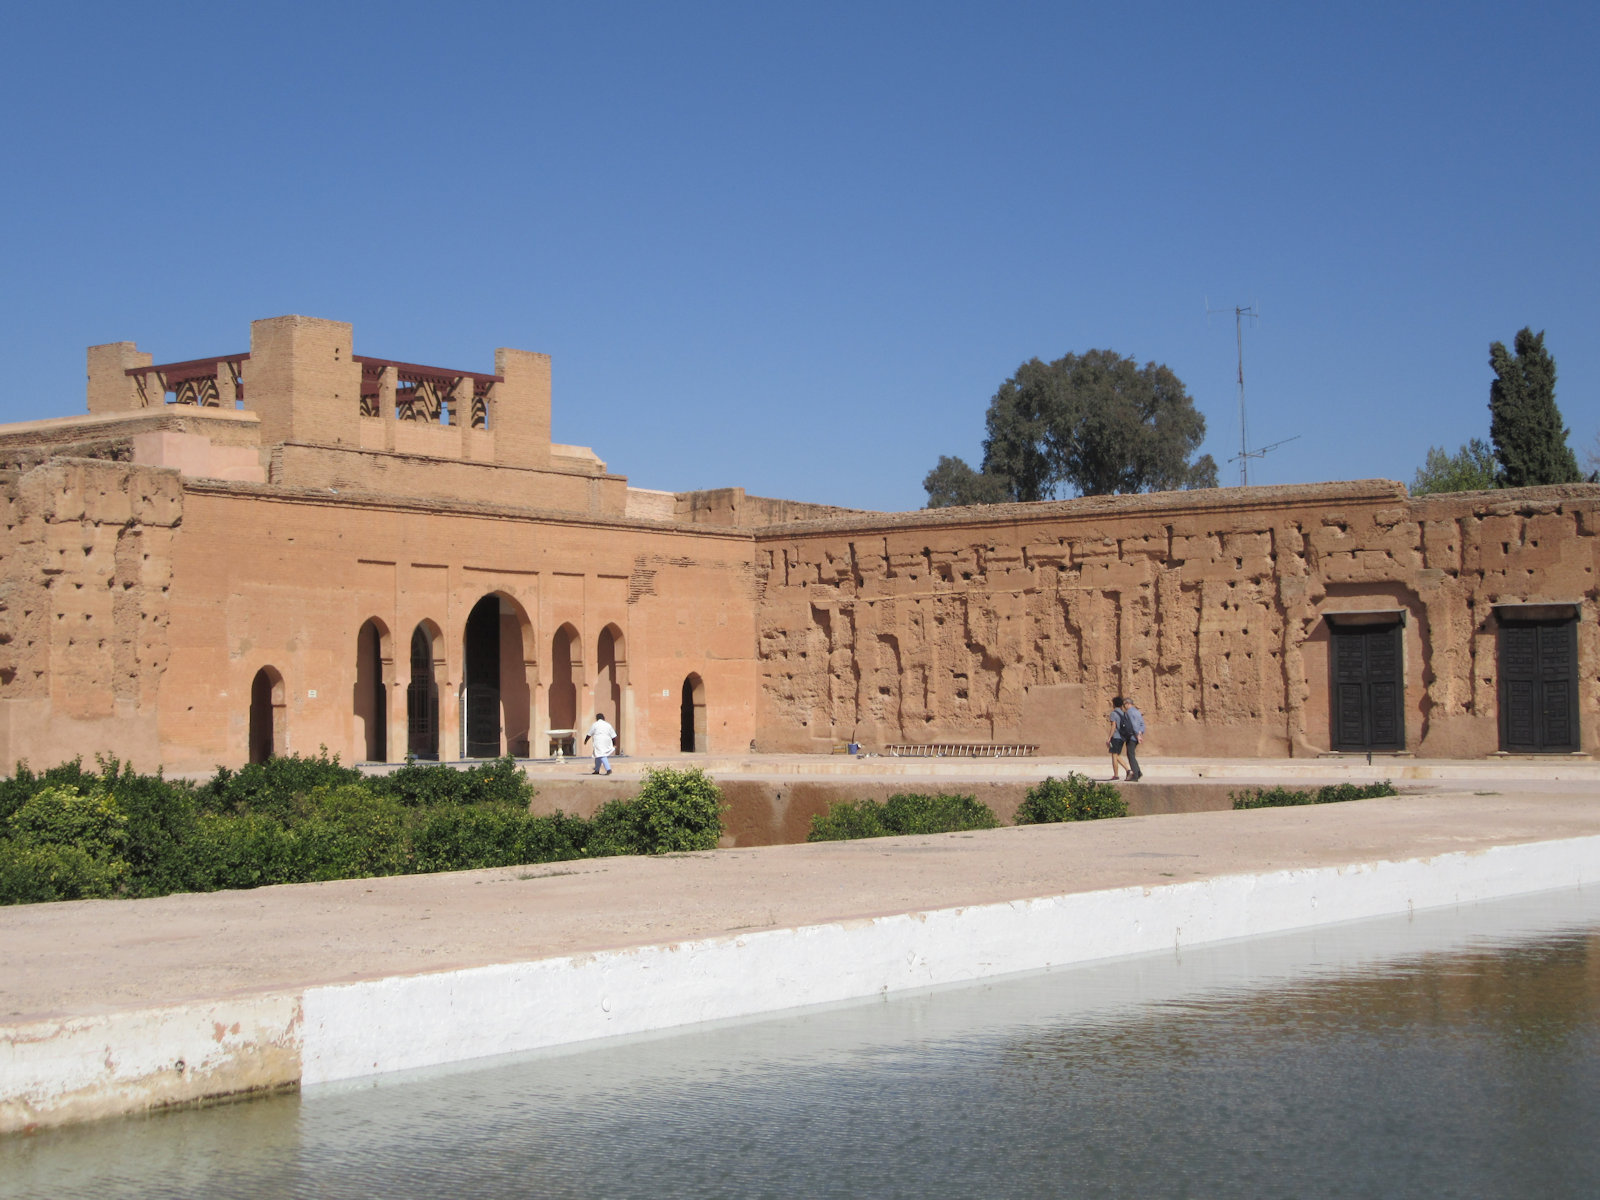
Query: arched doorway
<point>566,659</point>
<point>692,719</point>
<point>266,715</point>
<point>610,669</point>
<point>371,692</point>
<point>495,679</point>
<point>422,697</point>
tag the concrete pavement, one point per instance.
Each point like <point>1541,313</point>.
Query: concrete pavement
<point>102,1002</point>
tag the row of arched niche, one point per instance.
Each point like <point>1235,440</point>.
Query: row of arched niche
<point>504,706</point>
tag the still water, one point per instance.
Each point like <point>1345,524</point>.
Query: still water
<point>1452,1053</point>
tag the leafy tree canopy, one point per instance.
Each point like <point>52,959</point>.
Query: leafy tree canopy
<point>1096,423</point>
<point>953,482</point>
<point>1530,441</point>
<point>1470,469</point>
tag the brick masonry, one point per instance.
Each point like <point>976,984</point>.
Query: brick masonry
<point>168,569</point>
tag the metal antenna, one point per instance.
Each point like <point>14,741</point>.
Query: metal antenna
<point>1240,312</point>
<point>1245,455</point>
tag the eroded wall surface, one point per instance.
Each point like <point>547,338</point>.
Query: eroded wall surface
<point>138,608</point>
<point>85,599</point>
<point>1020,622</point>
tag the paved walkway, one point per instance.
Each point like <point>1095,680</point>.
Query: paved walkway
<point>95,957</point>
<point>1521,769</point>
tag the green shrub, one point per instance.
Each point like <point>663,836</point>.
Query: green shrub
<point>1075,798</point>
<point>915,812</point>
<point>351,832</point>
<point>62,816</point>
<point>1337,793</point>
<point>68,833</point>
<point>63,844</point>
<point>427,785</point>
<point>1334,793</point>
<point>22,785</point>
<point>847,820</point>
<point>902,813</point>
<point>674,811</point>
<point>468,837</point>
<point>36,873</point>
<point>245,851</point>
<point>162,829</point>
<point>553,838</point>
<point>274,788</point>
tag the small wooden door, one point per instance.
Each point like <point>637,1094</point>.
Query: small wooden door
<point>1368,688</point>
<point>1539,686</point>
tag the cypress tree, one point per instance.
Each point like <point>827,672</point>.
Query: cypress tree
<point>1530,441</point>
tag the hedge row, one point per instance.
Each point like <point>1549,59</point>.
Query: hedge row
<point>1075,798</point>
<point>906,812</point>
<point>1334,793</point>
<point>72,834</point>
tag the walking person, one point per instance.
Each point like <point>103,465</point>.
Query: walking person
<point>605,743</point>
<point>1117,744</point>
<point>1131,726</point>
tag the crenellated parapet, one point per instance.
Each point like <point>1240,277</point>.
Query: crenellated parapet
<point>327,417</point>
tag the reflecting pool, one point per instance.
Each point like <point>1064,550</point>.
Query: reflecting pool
<point>1452,1053</point>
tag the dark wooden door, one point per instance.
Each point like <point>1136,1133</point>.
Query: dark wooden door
<point>1368,688</point>
<point>483,679</point>
<point>422,701</point>
<point>1539,686</point>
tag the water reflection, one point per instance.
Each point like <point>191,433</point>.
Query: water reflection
<point>1454,1053</point>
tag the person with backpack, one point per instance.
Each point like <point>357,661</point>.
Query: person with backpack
<point>1130,725</point>
<point>1117,744</point>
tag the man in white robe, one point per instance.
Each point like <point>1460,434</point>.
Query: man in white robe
<point>605,744</point>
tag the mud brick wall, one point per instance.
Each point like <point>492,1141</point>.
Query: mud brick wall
<point>85,583</point>
<point>1020,622</point>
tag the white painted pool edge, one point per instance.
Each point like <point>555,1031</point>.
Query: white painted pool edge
<point>415,1021</point>
<point>80,1068</point>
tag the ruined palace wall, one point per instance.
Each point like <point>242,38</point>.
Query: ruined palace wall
<point>401,474</point>
<point>85,594</point>
<point>285,579</point>
<point>1019,622</point>
<point>213,442</point>
<point>734,507</point>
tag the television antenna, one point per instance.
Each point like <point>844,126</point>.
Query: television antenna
<point>1240,312</point>
<point>1248,454</point>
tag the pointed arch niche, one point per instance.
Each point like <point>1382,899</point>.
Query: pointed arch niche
<point>566,671</point>
<point>692,717</point>
<point>496,678</point>
<point>422,691</point>
<point>370,697</point>
<point>268,735</point>
<point>612,693</point>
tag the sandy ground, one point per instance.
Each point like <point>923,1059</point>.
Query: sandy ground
<point>97,956</point>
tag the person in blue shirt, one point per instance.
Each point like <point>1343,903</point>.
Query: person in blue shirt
<point>1131,728</point>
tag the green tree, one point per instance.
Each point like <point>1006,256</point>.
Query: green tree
<point>1530,441</point>
<point>953,483</point>
<point>1470,469</point>
<point>1096,424</point>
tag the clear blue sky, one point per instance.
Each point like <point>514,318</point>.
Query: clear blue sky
<point>797,247</point>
